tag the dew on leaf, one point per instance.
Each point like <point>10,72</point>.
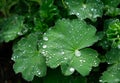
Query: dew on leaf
<point>100,80</point>
<point>38,72</point>
<point>77,53</point>
<point>84,6</point>
<point>19,33</point>
<point>44,46</point>
<point>62,53</point>
<point>119,46</point>
<point>78,14</point>
<point>65,58</point>
<point>45,38</point>
<point>72,69</point>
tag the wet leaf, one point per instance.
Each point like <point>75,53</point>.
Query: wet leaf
<point>27,58</point>
<point>11,28</point>
<point>112,75</point>
<point>85,9</point>
<point>65,44</point>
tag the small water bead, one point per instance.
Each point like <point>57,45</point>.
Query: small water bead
<point>84,6</point>
<point>45,38</point>
<point>77,14</point>
<point>44,46</point>
<point>119,46</point>
<point>20,33</point>
<point>77,53</point>
<point>72,69</point>
<point>62,53</point>
<point>38,72</point>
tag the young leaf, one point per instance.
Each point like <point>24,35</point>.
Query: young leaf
<point>113,72</point>
<point>11,28</point>
<point>27,58</point>
<point>65,44</point>
<point>90,9</point>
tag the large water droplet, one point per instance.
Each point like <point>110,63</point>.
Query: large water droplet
<point>44,46</point>
<point>72,69</point>
<point>77,53</point>
<point>45,38</point>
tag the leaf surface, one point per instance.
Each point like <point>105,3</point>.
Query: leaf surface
<point>112,75</point>
<point>65,44</point>
<point>85,9</point>
<point>28,59</point>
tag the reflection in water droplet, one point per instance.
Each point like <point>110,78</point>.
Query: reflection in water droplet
<point>72,69</point>
<point>44,46</point>
<point>77,53</point>
<point>45,38</point>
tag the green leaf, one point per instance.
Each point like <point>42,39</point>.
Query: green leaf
<point>5,6</point>
<point>65,44</point>
<point>11,28</point>
<point>112,75</point>
<point>112,3</point>
<point>113,32</point>
<point>90,9</point>
<point>27,58</point>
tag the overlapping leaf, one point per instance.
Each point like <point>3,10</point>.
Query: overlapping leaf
<point>65,44</point>
<point>27,58</point>
<point>11,28</point>
<point>112,75</point>
<point>85,8</point>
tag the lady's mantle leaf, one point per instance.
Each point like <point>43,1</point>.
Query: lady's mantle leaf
<point>65,44</point>
<point>112,75</point>
<point>11,28</point>
<point>27,58</point>
<point>90,9</point>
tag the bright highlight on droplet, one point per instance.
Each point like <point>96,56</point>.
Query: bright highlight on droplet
<point>45,38</point>
<point>44,46</point>
<point>77,53</point>
<point>72,69</point>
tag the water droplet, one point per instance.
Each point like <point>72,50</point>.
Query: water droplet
<point>65,58</point>
<point>45,38</point>
<point>100,80</point>
<point>19,33</point>
<point>38,72</point>
<point>44,46</point>
<point>62,53</point>
<point>77,53</point>
<point>119,46</point>
<point>84,6</point>
<point>77,14</point>
<point>72,69</point>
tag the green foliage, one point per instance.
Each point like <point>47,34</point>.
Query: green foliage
<point>65,44</point>
<point>11,28</point>
<point>113,72</point>
<point>28,59</point>
<point>81,38</point>
<point>85,8</point>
